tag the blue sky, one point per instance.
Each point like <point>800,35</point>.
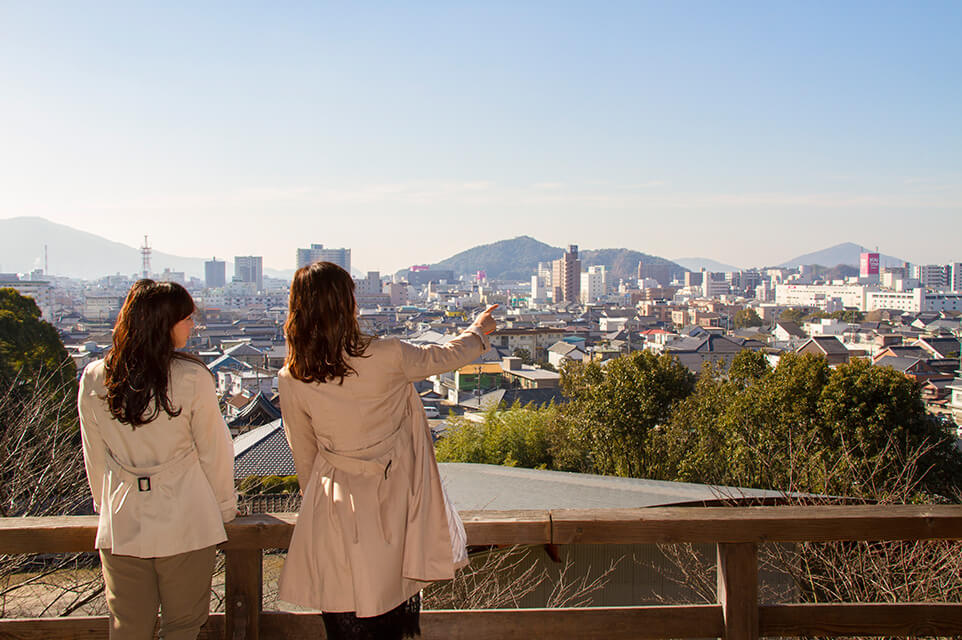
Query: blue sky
<point>744,132</point>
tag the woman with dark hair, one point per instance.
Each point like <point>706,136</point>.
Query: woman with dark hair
<point>374,526</point>
<point>160,465</point>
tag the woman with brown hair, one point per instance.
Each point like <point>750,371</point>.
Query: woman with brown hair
<point>374,526</point>
<point>160,464</point>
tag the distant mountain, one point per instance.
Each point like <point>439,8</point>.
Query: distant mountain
<point>80,254</point>
<point>518,258</point>
<point>623,263</point>
<point>697,264</point>
<point>846,253</point>
<point>514,259</point>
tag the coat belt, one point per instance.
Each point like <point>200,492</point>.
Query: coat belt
<point>362,462</point>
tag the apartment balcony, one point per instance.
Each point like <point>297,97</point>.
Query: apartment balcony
<point>736,532</point>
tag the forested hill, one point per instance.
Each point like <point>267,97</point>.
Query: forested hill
<point>518,258</point>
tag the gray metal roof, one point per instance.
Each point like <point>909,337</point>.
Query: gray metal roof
<point>491,487</point>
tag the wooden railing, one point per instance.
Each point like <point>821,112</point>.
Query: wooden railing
<point>736,531</point>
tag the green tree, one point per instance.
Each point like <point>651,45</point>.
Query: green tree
<point>877,415</point>
<point>792,315</point>
<point>614,408</point>
<point>515,437</point>
<point>28,345</point>
<point>524,354</point>
<point>746,318</point>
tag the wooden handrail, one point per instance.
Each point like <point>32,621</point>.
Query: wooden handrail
<point>736,530</point>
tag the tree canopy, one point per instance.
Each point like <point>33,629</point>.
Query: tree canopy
<point>798,426</point>
<point>28,345</point>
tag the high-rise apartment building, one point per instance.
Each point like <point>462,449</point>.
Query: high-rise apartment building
<point>932,276</point>
<point>594,284</point>
<point>566,276</point>
<point>714,285</point>
<point>215,273</point>
<point>317,253</point>
<point>656,271</point>
<point>249,269</point>
<point>954,271</point>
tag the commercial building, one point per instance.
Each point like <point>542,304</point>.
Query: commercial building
<point>249,269</point>
<point>317,253</point>
<point>917,300</point>
<point>714,285</point>
<point>822,296</point>
<point>215,273</point>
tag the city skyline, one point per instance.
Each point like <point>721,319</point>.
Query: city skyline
<point>745,133</point>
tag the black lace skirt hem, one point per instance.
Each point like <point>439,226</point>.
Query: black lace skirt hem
<point>403,621</point>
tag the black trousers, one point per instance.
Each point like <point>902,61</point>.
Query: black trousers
<point>403,621</point>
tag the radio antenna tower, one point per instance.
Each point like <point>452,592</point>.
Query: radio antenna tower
<point>145,256</point>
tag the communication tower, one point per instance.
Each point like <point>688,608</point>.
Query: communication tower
<point>145,258</point>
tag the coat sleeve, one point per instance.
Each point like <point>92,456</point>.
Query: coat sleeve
<point>298,429</point>
<point>94,449</point>
<point>419,362</point>
<point>214,445</point>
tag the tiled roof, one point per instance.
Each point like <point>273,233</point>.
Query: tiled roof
<point>263,452</point>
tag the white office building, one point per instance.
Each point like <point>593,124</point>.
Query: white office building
<point>317,253</point>
<point>594,284</point>
<point>822,296</point>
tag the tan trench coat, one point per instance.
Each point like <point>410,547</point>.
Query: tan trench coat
<point>165,487</point>
<point>372,529</point>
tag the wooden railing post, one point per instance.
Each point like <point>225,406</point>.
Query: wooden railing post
<point>243,593</point>
<point>738,589</point>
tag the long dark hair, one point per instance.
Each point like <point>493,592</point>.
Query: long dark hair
<point>321,328</point>
<point>137,368</point>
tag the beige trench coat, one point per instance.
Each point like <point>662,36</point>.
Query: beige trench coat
<point>165,487</point>
<point>372,529</point>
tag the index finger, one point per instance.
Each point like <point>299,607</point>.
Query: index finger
<point>490,308</point>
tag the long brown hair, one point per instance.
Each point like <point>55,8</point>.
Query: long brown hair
<point>321,328</point>
<point>137,368</point>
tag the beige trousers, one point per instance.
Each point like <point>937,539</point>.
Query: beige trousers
<point>178,584</point>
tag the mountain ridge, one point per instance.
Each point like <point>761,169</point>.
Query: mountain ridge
<point>517,259</point>
<point>82,254</point>
<point>846,253</point>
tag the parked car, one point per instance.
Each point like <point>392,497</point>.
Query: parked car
<point>432,412</point>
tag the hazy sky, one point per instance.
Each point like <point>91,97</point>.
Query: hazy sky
<point>744,132</point>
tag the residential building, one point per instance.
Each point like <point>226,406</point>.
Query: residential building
<point>562,351</point>
<point>830,347</point>
<point>566,276</point>
<point>40,290</point>
<point>536,341</point>
<point>528,377</point>
<point>954,270</point>
<point>693,279</point>
<point>594,284</point>
<point>656,271</point>
<point>932,276</point>
<point>539,291</point>
<point>317,253</point>
<point>249,269</point>
<point>714,285</point>
<point>368,291</point>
